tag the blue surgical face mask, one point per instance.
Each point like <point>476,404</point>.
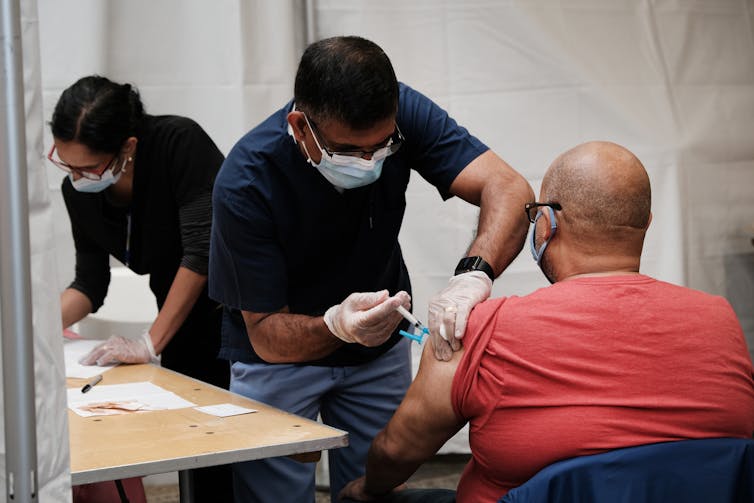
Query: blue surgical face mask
<point>107,179</point>
<point>537,254</point>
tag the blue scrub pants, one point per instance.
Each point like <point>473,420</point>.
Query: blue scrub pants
<point>359,399</point>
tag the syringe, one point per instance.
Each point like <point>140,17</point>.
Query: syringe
<point>415,322</point>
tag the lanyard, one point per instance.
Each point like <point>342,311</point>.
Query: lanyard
<point>128,238</point>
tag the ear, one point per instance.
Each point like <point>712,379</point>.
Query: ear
<point>129,146</point>
<point>544,225</point>
<point>297,122</point>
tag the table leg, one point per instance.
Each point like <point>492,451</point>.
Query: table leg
<point>121,491</point>
<point>186,486</point>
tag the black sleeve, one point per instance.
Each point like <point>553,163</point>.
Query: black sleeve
<point>195,161</point>
<point>92,264</point>
<point>196,219</point>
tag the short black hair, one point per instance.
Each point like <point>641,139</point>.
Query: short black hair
<point>97,113</point>
<point>347,79</point>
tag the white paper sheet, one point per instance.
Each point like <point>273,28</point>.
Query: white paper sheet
<point>73,351</point>
<point>124,398</point>
<point>224,410</point>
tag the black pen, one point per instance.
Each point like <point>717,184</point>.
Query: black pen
<point>91,383</point>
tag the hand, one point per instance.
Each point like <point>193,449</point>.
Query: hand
<point>119,349</point>
<point>366,318</point>
<point>70,334</point>
<point>449,310</point>
<point>355,491</point>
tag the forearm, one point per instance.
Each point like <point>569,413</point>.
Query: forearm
<point>183,293</point>
<point>385,472</point>
<point>74,305</point>
<point>283,337</point>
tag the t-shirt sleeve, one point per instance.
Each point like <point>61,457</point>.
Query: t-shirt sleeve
<point>438,148</point>
<point>246,268</point>
<point>466,394</point>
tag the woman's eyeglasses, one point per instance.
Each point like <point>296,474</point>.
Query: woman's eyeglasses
<point>90,173</point>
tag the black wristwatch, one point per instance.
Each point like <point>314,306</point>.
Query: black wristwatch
<point>467,264</point>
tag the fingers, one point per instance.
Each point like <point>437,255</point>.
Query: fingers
<point>448,322</point>
<point>94,355</point>
<point>361,301</point>
<point>107,358</point>
<point>441,347</point>
<point>436,308</point>
<point>377,324</point>
<point>117,349</point>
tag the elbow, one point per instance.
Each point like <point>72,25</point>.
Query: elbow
<point>527,190</point>
<point>263,350</point>
<point>519,187</point>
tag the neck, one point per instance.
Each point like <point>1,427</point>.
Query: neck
<point>121,192</point>
<point>605,265</point>
<point>598,274</point>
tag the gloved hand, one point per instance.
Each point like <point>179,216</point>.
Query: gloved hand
<point>119,349</point>
<point>449,310</point>
<point>366,318</point>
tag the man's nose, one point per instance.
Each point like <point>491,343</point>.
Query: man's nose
<point>75,175</point>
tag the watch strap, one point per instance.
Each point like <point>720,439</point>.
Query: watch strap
<point>468,264</point>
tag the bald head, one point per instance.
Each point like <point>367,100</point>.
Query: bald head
<point>603,189</point>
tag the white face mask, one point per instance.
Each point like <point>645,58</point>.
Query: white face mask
<point>107,179</point>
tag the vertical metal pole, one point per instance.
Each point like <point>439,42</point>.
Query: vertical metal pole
<point>310,22</point>
<point>15,276</point>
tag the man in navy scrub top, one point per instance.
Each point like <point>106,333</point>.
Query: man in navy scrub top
<point>304,252</point>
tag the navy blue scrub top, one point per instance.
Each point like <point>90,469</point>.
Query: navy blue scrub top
<point>282,235</point>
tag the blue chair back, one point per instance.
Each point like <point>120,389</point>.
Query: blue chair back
<point>714,470</point>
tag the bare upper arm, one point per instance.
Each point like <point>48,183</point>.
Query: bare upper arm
<point>425,419</point>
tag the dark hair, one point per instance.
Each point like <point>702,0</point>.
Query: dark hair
<point>97,113</point>
<point>348,79</point>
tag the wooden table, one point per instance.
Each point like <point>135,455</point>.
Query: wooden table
<point>146,443</point>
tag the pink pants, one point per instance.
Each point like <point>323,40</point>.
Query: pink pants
<point>106,492</point>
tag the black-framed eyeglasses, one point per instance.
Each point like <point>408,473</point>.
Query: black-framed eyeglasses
<point>531,209</point>
<point>389,146</point>
<point>90,173</point>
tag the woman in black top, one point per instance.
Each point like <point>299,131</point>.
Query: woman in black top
<point>139,188</point>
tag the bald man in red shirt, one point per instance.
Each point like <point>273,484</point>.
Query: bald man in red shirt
<point>604,358</point>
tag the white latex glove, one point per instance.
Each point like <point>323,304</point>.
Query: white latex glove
<point>366,318</point>
<point>449,310</point>
<point>119,349</point>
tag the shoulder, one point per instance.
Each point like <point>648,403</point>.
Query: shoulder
<point>481,320</point>
<point>695,299</point>
<point>412,103</point>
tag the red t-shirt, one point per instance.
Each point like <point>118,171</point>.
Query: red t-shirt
<point>594,364</point>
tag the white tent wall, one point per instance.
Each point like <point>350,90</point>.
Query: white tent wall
<point>671,80</point>
<point>53,477</point>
